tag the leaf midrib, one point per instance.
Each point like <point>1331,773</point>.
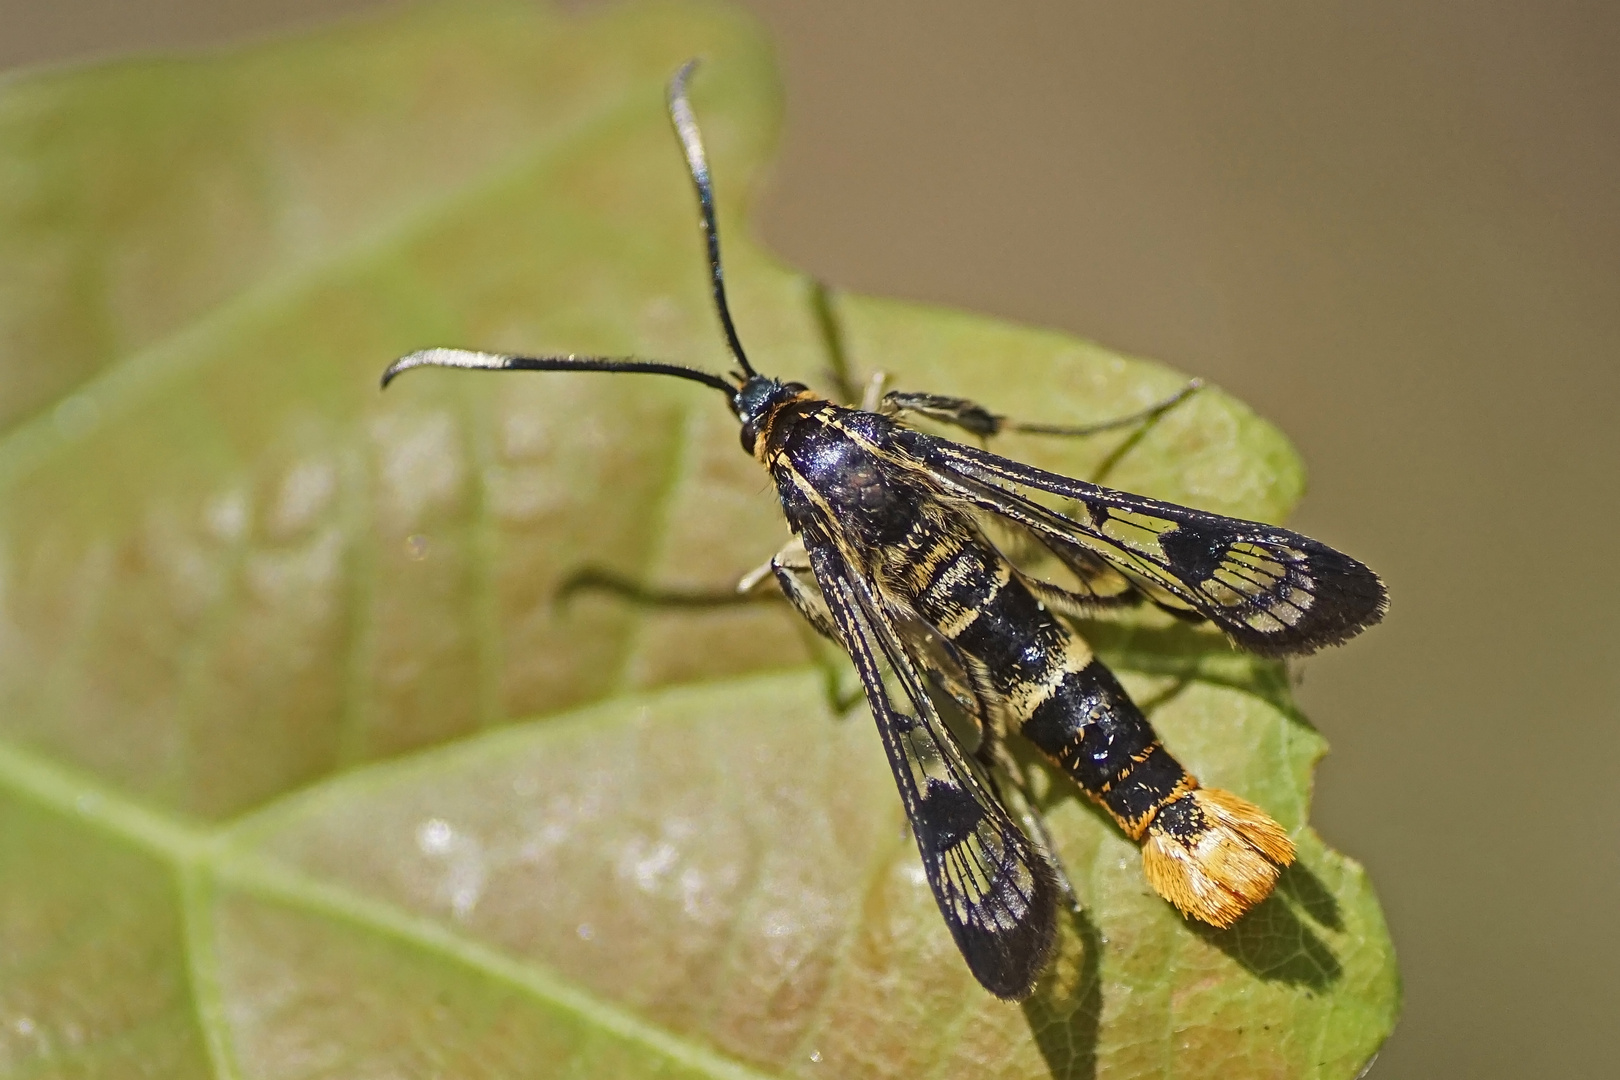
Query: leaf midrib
<point>128,380</point>
<point>204,858</point>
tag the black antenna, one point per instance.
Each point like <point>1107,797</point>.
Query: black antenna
<point>680,111</point>
<point>697,163</point>
<point>483,361</point>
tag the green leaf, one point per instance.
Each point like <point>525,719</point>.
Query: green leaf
<point>303,772</point>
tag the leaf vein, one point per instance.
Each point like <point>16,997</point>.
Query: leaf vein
<point>202,971</point>
<point>123,383</point>
<point>273,881</point>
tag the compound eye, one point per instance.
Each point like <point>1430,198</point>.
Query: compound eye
<point>750,433</point>
<point>795,387</point>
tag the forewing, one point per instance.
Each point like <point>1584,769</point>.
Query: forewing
<point>996,891</point>
<point>1273,591</point>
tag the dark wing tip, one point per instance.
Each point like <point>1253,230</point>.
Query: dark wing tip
<point>1349,597</point>
<point>1008,961</point>
<point>1359,596</point>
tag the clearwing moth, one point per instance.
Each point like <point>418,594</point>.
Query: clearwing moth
<point>891,558</point>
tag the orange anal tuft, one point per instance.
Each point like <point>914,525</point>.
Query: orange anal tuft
<point>1216,858</point>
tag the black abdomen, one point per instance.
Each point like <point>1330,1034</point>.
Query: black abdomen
<point>1060,697</point>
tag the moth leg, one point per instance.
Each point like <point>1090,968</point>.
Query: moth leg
<point>749,584</point>
<point>975,419</point>
<point>748,591</point>
<point>968,415</point>
<point>832,341</point>
<point>791,569</point>
<point>874,399</point>
<point>1073,604</point>
<point>595,579</point>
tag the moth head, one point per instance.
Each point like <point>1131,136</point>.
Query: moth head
<point>755,402</point>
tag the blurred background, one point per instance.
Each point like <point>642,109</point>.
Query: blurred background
<point>1394,229</point>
